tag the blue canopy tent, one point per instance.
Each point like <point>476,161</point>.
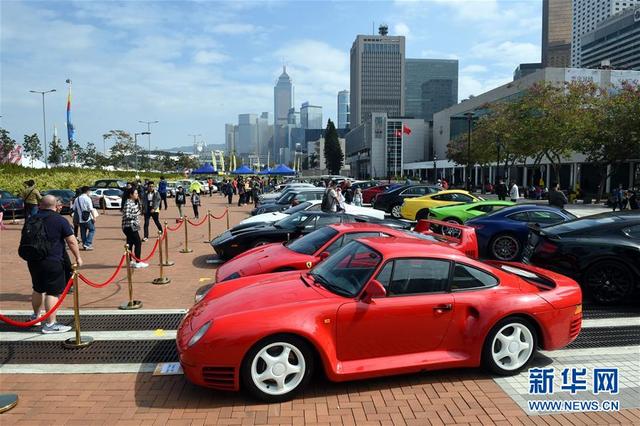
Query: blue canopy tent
<point>282,169</point>
<point>243,170</point>
<point>205,169</point>
<point>266,171</point>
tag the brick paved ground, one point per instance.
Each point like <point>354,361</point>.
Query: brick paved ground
<point>15,283</point>
<point>431,398</point>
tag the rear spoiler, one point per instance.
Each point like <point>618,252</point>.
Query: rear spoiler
<point>466,241</point>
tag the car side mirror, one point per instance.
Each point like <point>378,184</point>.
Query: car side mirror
<point>324,255</point>
<point>374,289</point>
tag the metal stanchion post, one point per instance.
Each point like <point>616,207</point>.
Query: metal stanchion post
<point>227,214</point>
<point>78,341</point>
<point>13,217</point>
<point>209,225</point>
<point>186,248</point>
<point>166,261</point>
<point>8,401</point>
<point>161,279</point>
<point>131,304</point>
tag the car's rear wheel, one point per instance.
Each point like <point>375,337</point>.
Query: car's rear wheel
<point>422,214</point>
<point>509,346</point>
<point>505,247</point>
<point>608,281</point>
<point>277,368</point>
<point>395,211</point>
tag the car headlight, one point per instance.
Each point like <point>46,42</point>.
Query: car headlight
<point>202,292</point>
<point>232,277</point>
<point>201,332</point>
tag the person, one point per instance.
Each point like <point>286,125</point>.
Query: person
<point>2,211</point>
<point>162,190</point>
<point>181,200</point>
<point>407,181</point>
<point>123,196</point>
<point>229,191</point>
<point>49,276</point>
<point>439,184</point>
<point>240,184</point>
<point>195,202</point>
<point>210,183</point>
<point>83,208</point>
<point>31,197</point>
<point>445,184</point>
<point>618,196</point>
<point>357,198</point>
<point>633,201</point>
<point>255,191</point>
<point>341,200</point>
<point>131,225</point>
<point>348,193</point>
<point>330,199</point>
<point>514,193</point>
<point>557,197</point>
<point>151,208</point>
<point>501,190</point>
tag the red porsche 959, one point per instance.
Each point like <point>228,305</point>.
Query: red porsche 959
<point>378,306</point>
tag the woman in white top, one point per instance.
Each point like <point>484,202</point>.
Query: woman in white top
<point>514,193</point>
<point>357,198</point>
<point>340,200</point>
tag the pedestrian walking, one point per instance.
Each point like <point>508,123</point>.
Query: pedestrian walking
<point>151,208</point>
<point>229,191</point>
<point>83,208</point>
<point>341,200</point>
<point>329,202</point>
<point>131,226</point>
<point>357,198</point>
<point>241,200</point>
<point>348,193</point>
<point>255,191</point>
<point>557,197</point>
<point>42,245</point>
<point>162,190</point>
<point>210,182</point>
<point>514,193</point>
<point>195,202</point>
<point>501,190</point>
<point>618,195</point>
<point>31,197</point>
<point>633,200</point>
<point>181,200</point>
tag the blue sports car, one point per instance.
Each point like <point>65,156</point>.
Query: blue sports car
<point>503,234</point>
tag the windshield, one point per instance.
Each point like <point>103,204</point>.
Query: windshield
<point>113,192</point>
<point>6,194</point>
<point>310,243</point>
<point>584,223</point>
<point>292,220</point>
<point>347,270</point>
<point>300,207</point>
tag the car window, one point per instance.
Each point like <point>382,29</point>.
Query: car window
<point>384,276</point>
<point>311,222</point>
<point>327,220</point>
<point>292,220</point>
<point>484,209</point>
<point>346,238</point>
<point>632,232</point>
<point>418,276</point>
<point>544,217</point>
<point>461,197</point>
<point>442,197</point>
<point>315,208</point>
<point>312,242</point>
<point>520,216</point>
<point>422,190</point>
<point>300,207</point>
<point>466,277</point>
<point>113,192</point>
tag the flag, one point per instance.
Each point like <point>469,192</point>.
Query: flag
<point>70,129</point>
<point>214,163</point>
<point>406,130</point>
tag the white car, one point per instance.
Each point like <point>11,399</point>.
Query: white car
<point>108,198</point>
<point>274,195</point>
<point>311,205</point>
<point>172,186</point>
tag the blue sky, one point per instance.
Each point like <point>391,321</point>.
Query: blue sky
<point>196,65</point>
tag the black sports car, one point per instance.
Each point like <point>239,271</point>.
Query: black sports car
<point>239,239</point>
<point>602,252</point>
<point>65,196</point>
<point>391,200</point>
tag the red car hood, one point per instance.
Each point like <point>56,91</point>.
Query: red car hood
<point>252,294</point>
<point>261,260</point>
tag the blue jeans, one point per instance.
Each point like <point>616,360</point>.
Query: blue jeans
<point>87,231</point>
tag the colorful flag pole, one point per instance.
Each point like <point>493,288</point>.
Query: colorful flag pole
<point>70,128</point>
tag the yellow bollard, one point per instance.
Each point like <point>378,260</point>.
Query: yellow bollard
<point>131,304</point>
<point>186,248</point>
<point>166,262</point>
<point>78,341</point>
<point>227,217</point>
<point>161,279</point>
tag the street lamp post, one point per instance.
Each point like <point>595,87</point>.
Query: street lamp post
<point>435,169</point>
<point>135,141</point>
<point>469,116</point>
<point>149,123</point>
<point>44,124</point>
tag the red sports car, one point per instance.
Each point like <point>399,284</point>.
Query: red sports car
<point>369,193</point>
<point>308,250</point>
<point>378,306</point>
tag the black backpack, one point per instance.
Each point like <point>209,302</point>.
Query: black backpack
<point>34,243</point>
<point>325,205</point>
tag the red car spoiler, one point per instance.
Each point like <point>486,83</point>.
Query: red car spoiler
<point>466,241</point>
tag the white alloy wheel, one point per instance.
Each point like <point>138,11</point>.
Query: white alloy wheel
<point>512,346</point>
<point>395,211</point>
<point>278,368</point>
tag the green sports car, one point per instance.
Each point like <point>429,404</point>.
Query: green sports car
<point>460,213</point>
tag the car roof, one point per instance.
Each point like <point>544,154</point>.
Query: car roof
<point>393,247</point>
<point>452,191</point>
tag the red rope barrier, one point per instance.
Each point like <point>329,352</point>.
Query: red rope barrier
<point>177,227</point>
<point>45,316</point>
<point>153,251</point>
<point>226,212</point>
<point>197,224</point>
<point>109,281</point>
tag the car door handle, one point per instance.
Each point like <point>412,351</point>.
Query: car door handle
<point>442,308</point>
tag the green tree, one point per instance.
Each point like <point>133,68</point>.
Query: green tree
<point>88,157</point>
<point>166,162</point>
<point>124,151</point>
<point>56,152</point>
<point>32,147</point>
<point>333,154</point>
<point>186,162</point>
<point>7,143</point>
<point>73,152</point>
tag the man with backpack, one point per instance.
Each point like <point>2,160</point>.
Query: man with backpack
<point>42,245</point>
<point>330,200</point>
<point>83,207</point>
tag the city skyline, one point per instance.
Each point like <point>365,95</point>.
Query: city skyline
<point>128,62</point>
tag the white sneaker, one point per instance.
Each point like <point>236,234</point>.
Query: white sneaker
<point>55,328</point>
<point>138,265</point>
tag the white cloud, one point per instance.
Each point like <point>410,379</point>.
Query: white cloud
<point>506,53</point>
<point>474,69</point>
<point>402,29</point>
<point>468,85</point>
<point>233,28</point>
<point>209,57</point>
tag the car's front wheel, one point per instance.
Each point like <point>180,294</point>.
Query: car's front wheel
<point>509,346</point>
<point>608,281</point>
<point>277,368</point>
<point>395,211</point>
<point>422,214</point>
<point>505,247</point>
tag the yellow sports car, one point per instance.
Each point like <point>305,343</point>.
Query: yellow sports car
<point>418,208</point>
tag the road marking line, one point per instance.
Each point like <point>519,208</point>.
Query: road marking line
<point>611,322</point>
<point>612,350</point>
<point>31,336</point>
<point>77,368</point>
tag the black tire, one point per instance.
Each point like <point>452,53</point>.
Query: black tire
<point>488,361</point>
<point>261,243</point>
<point>395,211</point>
<point>608,281</point>
<point>422,214</point>
<point>505,247</point>
<point>307,363</point>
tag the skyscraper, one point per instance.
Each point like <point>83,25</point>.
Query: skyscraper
<point>377,76</point>
<point>431,85</point>
<point>587,14</point>
<point>282,103</point>
<point>343,109</point>
<point>310,116</point>
<point>556,33</point>
<point>247,134</point>
<point>229,137</point>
